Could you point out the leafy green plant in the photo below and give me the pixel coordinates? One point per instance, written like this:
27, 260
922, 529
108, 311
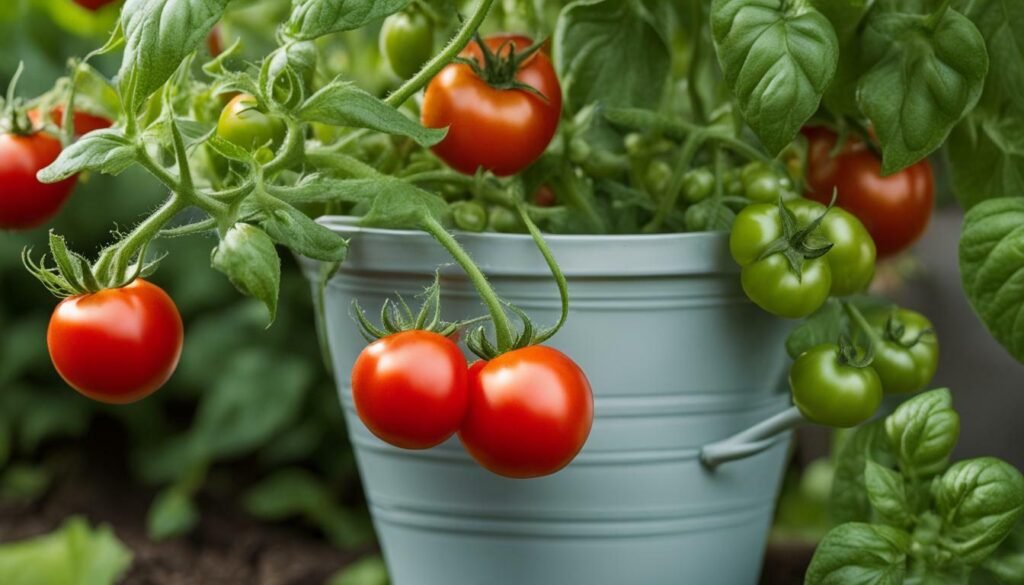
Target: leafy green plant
911, 517
76, 554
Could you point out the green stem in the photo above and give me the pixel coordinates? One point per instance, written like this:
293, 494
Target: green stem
142, 235
696, 104
936, 17
556, 271
668, 203
582, 201
487, 191
292, 151
341, 163
442, 59
502, 325
742, 148
862, 323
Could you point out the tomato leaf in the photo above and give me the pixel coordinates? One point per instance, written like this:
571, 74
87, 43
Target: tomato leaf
613, 52
991, 262
314, 18
103, 151
75, 553
396, 203
980, 501
922, 433
986, 152
823, 326
292, 228
778, 57
159, 36
247, 256
343, 104
920, 79
257, 396
860, 553
172, 514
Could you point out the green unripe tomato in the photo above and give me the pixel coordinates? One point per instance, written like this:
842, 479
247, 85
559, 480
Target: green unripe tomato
242, 124
830, 392
907, 355
407, 42
773, 286
634, 143
469, 216
761, 183
698, 184
506, 221
659, 174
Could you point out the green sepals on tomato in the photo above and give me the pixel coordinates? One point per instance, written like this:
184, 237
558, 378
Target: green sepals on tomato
530, 412
116, 345
501, 105
407, 41
469, 216
795, 254
244, 124
906, 350
895, 209
832, 385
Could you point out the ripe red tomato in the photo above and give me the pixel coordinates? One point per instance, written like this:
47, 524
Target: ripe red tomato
895, 209
213, 41
26, 203
94, 4
410, 388
530, 412
84, 121
118, 345
501, 130
544, 197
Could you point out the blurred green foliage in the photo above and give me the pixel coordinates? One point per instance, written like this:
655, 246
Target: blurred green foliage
250, 414
75, 554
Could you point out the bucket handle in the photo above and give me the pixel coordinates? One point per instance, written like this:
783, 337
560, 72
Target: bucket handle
749, 442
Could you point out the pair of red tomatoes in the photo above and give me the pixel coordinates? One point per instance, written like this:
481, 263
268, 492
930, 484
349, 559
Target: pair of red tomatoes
526, 413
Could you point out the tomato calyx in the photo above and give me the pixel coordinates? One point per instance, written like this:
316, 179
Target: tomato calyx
73, 275
398, 316
500, 68
895, 331
849, 354
798, 243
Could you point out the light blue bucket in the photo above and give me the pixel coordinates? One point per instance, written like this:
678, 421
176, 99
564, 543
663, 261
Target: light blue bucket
678, 358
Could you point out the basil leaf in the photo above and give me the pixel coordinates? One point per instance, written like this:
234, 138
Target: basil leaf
1001, 23
980, 501
923, 431
888, 495
920, 80
343, 104
248, 257
860, 553
986, 152
613, 52
846, 18
104, 151
258, 395
849, 500
778, 57
292, 228
159, 35
991, 262
314, 18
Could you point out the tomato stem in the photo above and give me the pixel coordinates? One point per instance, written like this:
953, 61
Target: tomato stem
495, 306
556, 271
862, 323
442, 59
668, 202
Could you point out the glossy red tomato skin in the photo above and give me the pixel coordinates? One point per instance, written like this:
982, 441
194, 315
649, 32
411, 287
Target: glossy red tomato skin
94, 4
501, 130
25, 203
896, 209
410, 389
84, 121
118, 345
530, 412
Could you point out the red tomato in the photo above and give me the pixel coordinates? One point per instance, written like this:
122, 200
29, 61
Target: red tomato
410, 388
213, 42
895, 209
501, 130
94, 4
26, 203
530, 412
84, 121
118, 345
544, 197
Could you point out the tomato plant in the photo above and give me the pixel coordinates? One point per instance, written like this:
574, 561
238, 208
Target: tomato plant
896, 209
25, 202
84, 121
242, 123
116, 345
501, 106
94, 4
906, 350
410, 388
407, 41
530, 412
